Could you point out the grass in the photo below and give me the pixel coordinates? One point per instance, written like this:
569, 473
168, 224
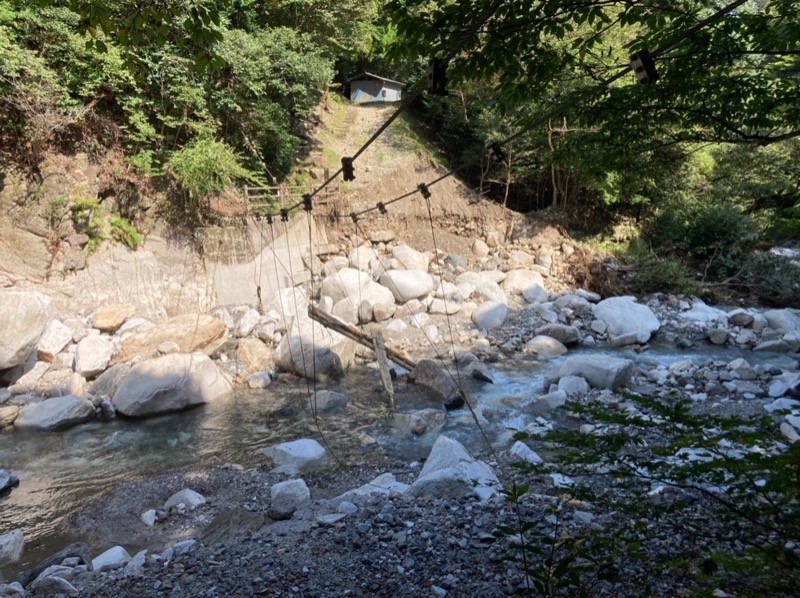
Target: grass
406, 127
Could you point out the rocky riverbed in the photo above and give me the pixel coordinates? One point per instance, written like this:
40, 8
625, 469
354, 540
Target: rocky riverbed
285, 529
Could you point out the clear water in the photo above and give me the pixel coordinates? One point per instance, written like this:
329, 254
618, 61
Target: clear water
62, 472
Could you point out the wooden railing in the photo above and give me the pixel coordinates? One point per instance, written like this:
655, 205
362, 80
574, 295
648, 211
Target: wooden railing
284, 195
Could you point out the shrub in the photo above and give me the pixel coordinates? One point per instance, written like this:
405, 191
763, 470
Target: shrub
773, 278
124, 232
719, 238
201, 169
716, 238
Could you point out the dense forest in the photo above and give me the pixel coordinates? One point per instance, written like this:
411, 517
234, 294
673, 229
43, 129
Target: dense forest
198, 96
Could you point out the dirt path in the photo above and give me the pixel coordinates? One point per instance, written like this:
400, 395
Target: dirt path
392, 166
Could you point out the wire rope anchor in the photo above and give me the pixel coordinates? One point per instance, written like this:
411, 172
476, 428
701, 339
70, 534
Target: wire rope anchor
354, 217
307, 202
644, 67
423, 189
348, 172
284, 214
496, 152
437, 77
382, 208
269, 218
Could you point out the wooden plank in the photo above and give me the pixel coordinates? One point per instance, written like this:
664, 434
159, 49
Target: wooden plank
356, 335
383, 368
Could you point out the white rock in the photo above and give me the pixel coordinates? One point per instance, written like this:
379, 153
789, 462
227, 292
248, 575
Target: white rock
385, 484
410, 258
573, 386
561, 332
300, 453
544, 346
288, 305
782, 404
789, 432
451, 471
484, 287
517, 282
184, 546
535, 294
113, 558
259, 380
170, 383
520, 450
598, 370
313, 351
52, 585
396, 326
623, 316
785, 321
489, 315
245, 320
360, 256
576, 303
335, 264
11, 545
293, 491
188, 497
443, 306
149, 517
479, 248
346, 311
407, 284
23, 318
55, 414
135, 566
54, 338
700, 313
553, 400
93, 354
328, 400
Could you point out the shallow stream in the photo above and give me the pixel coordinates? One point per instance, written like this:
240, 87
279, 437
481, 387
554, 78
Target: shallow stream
65, 471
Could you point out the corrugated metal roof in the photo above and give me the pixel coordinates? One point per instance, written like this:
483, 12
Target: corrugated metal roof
365, 73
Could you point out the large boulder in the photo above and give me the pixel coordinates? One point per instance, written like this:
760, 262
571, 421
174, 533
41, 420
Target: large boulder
489, 315
451, 472
568, 335
484, 287
92, 355
624, 317
544, 346
298, 453
191, 332
430, 374
55, 414
113, 558
253, 354
54, 339
785, 321
23, 317
703, 315
407, 284
346, 282
599, 370
108, 318
410, 258
313, 351
287, 305
170, 383
11, 545
519, 281
361, 256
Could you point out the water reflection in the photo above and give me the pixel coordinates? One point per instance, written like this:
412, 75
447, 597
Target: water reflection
61, 472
